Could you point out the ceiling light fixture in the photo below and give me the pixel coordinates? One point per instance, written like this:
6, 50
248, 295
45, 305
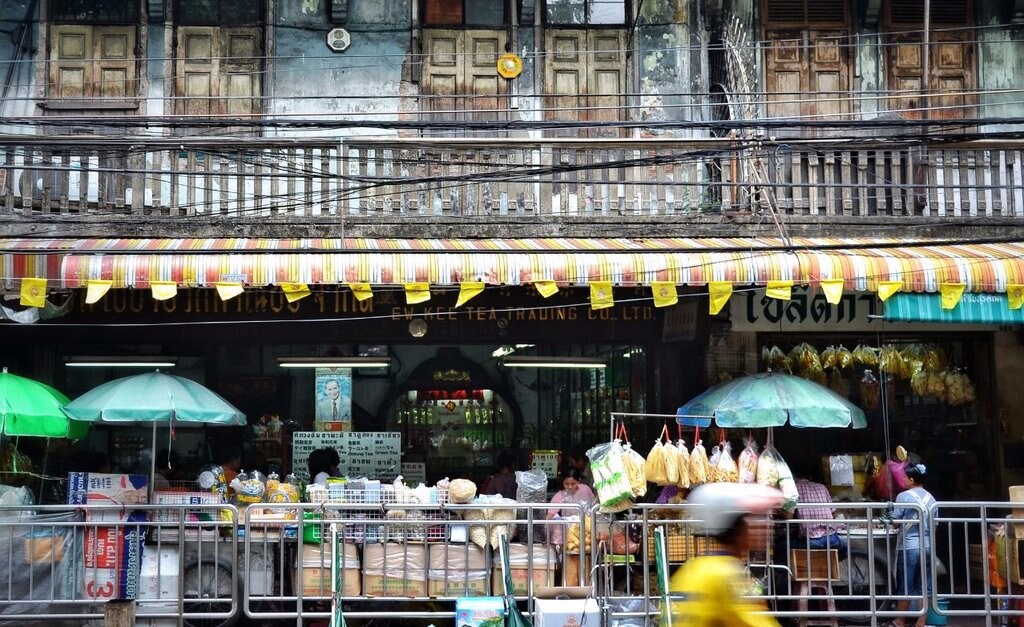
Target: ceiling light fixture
529, 361
120, 361
334, 362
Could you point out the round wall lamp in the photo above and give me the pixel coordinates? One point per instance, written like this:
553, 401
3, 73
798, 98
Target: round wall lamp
418, 328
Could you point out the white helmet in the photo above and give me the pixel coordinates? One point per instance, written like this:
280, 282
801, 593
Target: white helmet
718, 505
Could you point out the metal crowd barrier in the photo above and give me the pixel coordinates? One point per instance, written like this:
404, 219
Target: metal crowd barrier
65, 562
190, 563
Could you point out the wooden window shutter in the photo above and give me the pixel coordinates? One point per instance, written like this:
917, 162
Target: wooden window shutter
805, 11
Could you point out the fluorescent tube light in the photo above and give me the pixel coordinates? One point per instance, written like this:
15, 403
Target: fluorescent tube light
529, 361
334, 362
120, 361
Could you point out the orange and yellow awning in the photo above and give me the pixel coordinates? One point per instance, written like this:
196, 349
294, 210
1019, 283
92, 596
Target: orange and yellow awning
863, 264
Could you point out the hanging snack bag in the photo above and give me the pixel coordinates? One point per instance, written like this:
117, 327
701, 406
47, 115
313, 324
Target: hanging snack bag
787, 483
634, 465
698, 464
728, 472
865, 356
837, 383
828, 357
683, 460
748, 462
671, 463
655, 469
870, 391
844, 358
610, 481
716, 454
768, 467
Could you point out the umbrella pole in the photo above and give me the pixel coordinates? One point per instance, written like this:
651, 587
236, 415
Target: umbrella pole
42, 471
152, 466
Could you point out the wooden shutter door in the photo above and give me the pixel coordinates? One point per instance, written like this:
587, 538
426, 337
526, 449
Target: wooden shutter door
240, 71
481, 72
952, 75
565, 76
786, 73
198, 66
807, 74
71, 49
606, 80
115, 61
442, 71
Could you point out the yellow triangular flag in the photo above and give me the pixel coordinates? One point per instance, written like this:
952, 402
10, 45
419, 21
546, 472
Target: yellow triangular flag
664, 292
1015, 295
950, 294
361, 291
718, 295
467, 290
295, 291
417, 293
163, 290
33, 292
833, 289
888, 288
601, 296
779, 290
95, 291
547, 289
227, 291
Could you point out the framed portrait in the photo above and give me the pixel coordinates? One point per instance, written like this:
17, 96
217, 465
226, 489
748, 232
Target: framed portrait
333, 399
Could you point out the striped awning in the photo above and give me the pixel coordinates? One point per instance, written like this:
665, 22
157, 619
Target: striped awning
863, 263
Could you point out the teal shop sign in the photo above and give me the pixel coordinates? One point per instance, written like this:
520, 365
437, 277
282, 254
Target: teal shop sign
972, 308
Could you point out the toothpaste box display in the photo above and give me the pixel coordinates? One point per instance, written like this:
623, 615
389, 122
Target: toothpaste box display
480, 612
112, 558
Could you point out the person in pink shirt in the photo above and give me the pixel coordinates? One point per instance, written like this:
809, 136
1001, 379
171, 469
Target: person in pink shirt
573, 491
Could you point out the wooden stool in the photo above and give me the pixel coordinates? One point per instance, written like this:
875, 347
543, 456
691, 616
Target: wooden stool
814, 570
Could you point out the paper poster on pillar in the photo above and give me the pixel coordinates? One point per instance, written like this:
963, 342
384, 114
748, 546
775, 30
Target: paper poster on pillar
333, 399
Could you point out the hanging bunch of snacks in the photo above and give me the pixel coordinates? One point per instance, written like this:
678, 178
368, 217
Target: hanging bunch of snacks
913, 357
890, 361
655, 470
865, 356
683, 461
775, 359
844, 358
699, 466
727, 470
614, 492
935, 359
828, 357
716, 453
870, 391
959, 389
634, 464
748, 462
671, 461
774, 472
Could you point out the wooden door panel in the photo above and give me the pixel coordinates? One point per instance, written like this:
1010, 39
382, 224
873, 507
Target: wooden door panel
115, 61
951, 81
70, 70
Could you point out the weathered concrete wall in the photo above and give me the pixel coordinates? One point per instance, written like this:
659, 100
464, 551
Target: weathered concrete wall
16, 99
666, 49
365, 81
1000, 66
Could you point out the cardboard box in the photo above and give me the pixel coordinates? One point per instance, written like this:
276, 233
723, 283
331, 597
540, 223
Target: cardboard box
316, 572
91, 488
571, 570
457, 571
112, 558
566, 612
543, 561
395, 570
480, 612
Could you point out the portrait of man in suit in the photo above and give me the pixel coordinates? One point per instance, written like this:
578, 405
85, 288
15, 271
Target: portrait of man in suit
334, 396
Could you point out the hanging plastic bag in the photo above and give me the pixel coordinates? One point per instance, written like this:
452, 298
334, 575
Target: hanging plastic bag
698, 465
684, 464
716, 453
865, 356
787, 484
870, 391
728, 472
828, 357
634, 464
748, 462
610, 480
844, 358
768, 467
671, 462
654, 466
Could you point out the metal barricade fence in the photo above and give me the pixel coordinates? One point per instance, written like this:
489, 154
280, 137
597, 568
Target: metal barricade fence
379, 559
65, 562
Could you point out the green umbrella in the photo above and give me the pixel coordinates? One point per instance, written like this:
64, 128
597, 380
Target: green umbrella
661, 565
771, 400
154, 398
31, 408
513, 617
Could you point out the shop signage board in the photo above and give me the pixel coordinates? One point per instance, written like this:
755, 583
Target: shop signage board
808, 311
414, 473
371, 454
972, 308
546, 460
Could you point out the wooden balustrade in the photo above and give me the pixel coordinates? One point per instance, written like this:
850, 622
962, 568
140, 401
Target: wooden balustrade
435, 177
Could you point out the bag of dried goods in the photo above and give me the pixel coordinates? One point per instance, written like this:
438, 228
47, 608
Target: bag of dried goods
837, 383
865, 356
828, 357
935, 359
787, 483
634, 464
461, 491
610, 480
768, 467
816, 374
654, 466
804, 357
671, 463
777, 360
936, 385
698, 464
919, 382
716, 454
870, 391
844, 358
728, 472
748, 462
684, 464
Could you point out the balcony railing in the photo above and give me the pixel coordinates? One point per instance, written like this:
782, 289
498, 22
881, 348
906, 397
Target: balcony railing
364, 178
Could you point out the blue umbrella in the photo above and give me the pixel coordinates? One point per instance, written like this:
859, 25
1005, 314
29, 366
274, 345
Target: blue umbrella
771, 400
